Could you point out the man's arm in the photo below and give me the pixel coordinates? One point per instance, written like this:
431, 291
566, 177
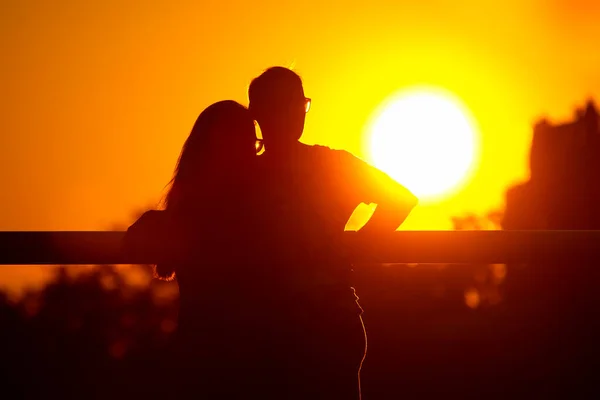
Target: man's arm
394, 204
370, 185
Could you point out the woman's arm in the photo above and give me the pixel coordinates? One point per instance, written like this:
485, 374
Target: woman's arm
145, 234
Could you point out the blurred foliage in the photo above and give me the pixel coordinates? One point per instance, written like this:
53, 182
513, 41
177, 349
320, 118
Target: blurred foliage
93, 332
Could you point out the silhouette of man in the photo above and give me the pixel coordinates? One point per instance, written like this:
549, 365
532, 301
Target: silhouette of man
311, 192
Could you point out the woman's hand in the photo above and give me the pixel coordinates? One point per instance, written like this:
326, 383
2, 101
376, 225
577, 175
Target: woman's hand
146, 234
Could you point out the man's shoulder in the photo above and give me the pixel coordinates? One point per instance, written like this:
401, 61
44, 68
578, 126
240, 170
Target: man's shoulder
330, 153
342, 160
315, 156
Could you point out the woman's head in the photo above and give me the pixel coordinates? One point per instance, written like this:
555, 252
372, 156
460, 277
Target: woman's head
222, 143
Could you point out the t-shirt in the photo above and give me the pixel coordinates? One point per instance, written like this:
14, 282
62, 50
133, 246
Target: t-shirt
310, 195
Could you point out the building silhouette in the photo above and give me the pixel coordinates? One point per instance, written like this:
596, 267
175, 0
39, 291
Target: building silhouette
562, 192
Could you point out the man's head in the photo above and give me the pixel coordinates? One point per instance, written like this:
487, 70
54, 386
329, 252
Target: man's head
278, 104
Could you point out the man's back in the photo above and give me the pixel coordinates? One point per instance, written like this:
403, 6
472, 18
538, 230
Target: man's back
327, 185
311, 193
303, 190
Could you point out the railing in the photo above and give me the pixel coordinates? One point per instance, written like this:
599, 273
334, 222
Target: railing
488, 247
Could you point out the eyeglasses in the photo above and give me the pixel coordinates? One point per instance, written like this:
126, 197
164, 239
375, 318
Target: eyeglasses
307, 102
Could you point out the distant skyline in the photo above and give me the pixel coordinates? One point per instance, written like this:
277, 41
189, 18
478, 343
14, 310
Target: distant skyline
98, 97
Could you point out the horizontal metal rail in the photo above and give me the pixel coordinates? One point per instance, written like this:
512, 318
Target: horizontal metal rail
488, 247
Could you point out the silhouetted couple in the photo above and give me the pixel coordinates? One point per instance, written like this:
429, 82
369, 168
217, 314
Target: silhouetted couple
255, 242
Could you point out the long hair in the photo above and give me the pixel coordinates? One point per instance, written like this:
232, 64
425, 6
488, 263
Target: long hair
225, 121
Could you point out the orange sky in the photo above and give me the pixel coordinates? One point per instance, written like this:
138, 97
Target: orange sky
98, 96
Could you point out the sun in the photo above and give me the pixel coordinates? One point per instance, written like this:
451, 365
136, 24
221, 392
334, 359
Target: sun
424, 138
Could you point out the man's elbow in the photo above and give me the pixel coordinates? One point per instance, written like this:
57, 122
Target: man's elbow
399, 209
412, 201
403, 210
404, 207
406, 203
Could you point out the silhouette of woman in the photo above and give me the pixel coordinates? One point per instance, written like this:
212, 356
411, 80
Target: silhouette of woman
207, 223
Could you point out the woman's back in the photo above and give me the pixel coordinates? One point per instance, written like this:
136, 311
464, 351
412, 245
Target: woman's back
222, 269
205, 229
